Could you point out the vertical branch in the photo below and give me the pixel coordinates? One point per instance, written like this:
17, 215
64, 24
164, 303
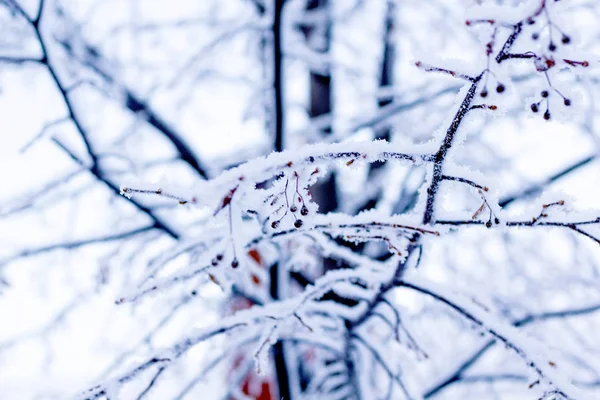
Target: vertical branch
319, 39
278, 76
279, 355
442, 153
276, 289
386, 77
264, 57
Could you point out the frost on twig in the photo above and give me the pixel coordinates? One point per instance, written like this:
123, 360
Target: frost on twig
327, 280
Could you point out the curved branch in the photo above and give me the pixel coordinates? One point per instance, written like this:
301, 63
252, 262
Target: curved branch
76, 244
536, 189
458, 374
395, 377
531, 352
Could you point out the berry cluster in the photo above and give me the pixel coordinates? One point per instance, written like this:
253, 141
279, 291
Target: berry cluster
216, 261
565, 39
545, 95
297, 200
500, 88
542, 62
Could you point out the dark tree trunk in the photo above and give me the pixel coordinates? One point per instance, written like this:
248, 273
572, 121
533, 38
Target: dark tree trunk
279, 356
278, 76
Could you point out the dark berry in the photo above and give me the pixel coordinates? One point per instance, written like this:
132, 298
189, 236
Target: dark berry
219, 257
214, 262
566, 40
274, 224
311, 159
500, 88
235, 263
545, 93
547, 115
298, 223
535, 108
484, 93
530, 21
535, 36
304, 210
488, 224
567, 102
552, 46
496, 221
293, 208
194, 293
